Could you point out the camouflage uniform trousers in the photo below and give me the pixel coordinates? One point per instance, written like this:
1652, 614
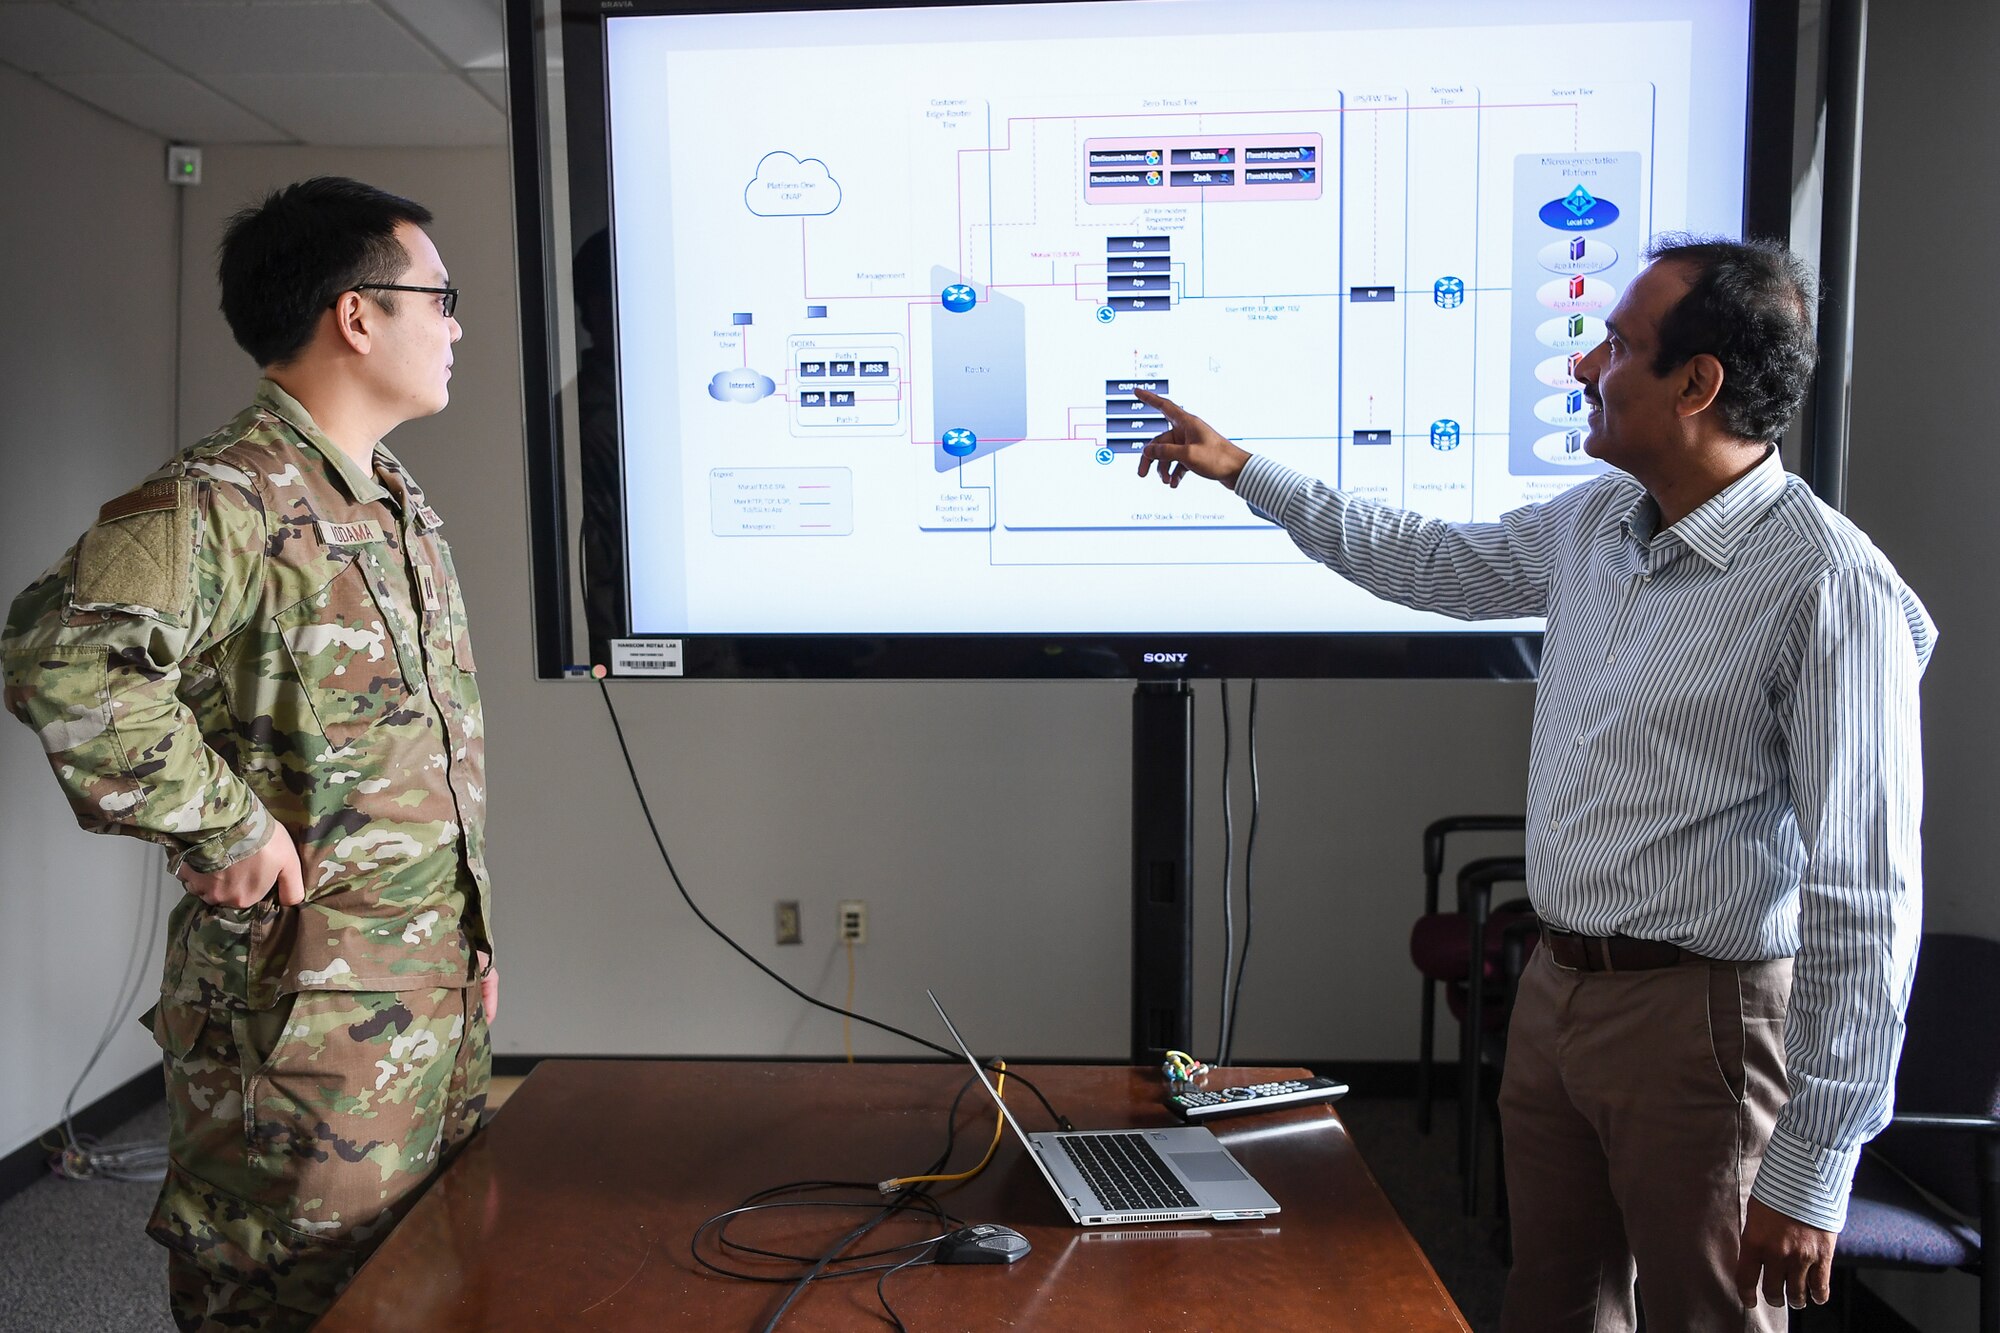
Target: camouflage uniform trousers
299, 1136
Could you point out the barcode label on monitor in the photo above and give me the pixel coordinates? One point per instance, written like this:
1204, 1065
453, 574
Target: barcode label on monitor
645, 657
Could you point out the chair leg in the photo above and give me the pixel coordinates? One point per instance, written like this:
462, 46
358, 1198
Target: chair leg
1468, 1115
1426, 1052
1467, 1081
1989, 1234
1472, 1073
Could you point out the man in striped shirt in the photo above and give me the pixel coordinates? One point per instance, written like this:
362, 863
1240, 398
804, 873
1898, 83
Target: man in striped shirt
1724, 794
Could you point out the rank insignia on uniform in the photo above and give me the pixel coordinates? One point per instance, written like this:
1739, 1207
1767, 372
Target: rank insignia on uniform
358, 533
430, 589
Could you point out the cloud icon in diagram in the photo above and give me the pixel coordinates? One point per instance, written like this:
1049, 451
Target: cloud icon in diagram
790, 187
739, 386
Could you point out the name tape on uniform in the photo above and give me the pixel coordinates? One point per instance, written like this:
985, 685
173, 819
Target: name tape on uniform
645, 657
359, 533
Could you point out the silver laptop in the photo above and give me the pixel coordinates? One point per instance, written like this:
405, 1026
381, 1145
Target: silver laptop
1134, 1175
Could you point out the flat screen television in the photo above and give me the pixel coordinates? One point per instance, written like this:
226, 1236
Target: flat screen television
837, 310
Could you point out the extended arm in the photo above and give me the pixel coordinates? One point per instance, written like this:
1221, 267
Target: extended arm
1472, 571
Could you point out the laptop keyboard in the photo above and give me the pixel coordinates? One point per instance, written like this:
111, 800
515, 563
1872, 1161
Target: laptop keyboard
1125, 1171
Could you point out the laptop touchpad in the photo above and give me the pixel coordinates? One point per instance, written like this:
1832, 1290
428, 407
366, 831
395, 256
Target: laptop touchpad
1206, 1167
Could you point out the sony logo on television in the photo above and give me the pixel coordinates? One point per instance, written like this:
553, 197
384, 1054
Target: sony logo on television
1165, 659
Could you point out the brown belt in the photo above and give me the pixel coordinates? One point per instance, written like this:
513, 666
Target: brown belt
1613, 953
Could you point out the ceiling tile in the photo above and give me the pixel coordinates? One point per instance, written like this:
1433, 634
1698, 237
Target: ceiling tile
252, 36
49, 39
493, 83
375, 110
468, 32
169, 105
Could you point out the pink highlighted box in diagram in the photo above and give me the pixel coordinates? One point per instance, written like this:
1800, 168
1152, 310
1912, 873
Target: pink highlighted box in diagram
1169, 168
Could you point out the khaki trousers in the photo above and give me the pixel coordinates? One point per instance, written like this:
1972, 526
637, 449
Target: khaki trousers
1635, 1108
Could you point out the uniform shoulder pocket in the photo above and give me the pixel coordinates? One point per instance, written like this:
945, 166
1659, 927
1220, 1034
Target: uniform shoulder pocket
136, 558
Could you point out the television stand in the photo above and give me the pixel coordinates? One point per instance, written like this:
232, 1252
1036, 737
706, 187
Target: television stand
1162, 869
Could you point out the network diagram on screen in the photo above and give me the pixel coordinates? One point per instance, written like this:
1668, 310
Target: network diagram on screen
884, 305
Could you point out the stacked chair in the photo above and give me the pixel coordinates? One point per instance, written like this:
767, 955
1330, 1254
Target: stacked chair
1444, 945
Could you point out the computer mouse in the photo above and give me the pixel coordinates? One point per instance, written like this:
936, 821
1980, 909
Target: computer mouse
986, 1243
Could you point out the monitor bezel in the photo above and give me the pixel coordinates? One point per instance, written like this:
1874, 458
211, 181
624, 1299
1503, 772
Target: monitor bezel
1771, 79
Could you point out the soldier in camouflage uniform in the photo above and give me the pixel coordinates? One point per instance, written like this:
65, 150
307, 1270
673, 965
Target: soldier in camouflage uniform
258, 659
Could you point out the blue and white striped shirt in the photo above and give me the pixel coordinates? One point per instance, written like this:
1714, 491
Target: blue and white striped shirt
1726, 753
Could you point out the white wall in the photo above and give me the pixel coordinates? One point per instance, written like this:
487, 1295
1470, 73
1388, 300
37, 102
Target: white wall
87, 268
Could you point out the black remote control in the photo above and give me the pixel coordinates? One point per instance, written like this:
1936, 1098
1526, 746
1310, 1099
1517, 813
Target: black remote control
1198, 1104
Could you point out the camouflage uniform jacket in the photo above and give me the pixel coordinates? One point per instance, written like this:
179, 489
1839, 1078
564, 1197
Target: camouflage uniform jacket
263, 631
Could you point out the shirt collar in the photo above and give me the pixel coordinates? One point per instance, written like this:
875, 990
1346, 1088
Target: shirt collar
1718, 528
361, 485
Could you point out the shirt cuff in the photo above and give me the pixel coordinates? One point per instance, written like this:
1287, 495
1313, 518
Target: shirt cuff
226, 848
1265, 485
1806, 1181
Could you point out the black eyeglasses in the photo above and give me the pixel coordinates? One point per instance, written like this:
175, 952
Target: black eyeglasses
448, 295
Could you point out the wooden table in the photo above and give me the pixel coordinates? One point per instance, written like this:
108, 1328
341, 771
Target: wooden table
574, 1209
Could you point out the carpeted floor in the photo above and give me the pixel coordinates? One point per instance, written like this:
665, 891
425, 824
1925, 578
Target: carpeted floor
74, 1254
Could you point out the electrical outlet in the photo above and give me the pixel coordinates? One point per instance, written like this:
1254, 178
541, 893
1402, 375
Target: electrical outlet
789, 929
853, 921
